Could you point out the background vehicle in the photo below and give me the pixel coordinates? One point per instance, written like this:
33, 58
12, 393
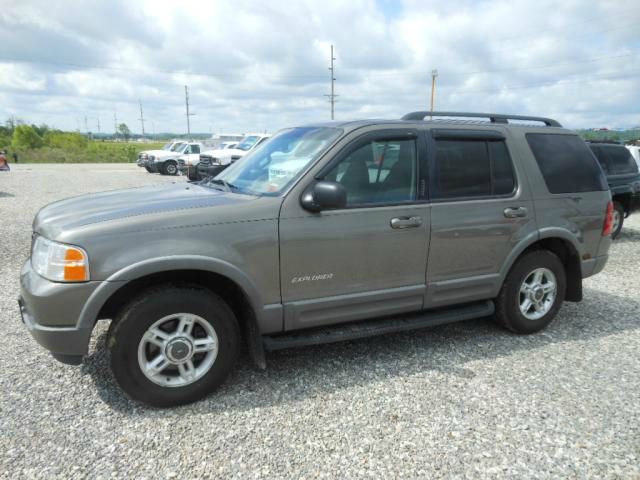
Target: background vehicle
635, 153
146, 158
188, 164
213, 162
167, 163
396, 225
219, 138
623, 179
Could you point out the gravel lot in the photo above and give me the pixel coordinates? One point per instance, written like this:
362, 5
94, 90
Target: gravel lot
465, 400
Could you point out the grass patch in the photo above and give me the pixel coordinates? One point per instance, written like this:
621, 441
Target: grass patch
94, 152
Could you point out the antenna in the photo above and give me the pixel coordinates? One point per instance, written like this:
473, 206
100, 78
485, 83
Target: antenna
332, 96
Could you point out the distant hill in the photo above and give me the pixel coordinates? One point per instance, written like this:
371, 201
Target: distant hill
624, 136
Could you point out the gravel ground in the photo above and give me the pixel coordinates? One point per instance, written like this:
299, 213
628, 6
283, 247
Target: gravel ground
465, 400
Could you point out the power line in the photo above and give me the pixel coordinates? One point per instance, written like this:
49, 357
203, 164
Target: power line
631, 74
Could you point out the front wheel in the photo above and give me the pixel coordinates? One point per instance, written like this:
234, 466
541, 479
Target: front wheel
173, 345
170, 168
532, 293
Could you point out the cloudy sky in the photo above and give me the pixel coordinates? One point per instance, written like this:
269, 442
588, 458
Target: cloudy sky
262, 65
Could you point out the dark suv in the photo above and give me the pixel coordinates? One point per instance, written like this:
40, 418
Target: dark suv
623, 179
327, 232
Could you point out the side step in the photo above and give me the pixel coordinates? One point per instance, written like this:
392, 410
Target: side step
370, 328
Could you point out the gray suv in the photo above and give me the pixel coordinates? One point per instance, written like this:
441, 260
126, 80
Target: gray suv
326, 232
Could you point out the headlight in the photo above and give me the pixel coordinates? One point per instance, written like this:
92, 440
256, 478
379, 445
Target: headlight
59, 262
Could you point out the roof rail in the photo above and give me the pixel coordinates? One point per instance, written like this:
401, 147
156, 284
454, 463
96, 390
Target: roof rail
493, 117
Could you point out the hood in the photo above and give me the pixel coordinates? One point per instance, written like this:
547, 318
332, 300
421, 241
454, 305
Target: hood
214, 153
95, 208
155, 152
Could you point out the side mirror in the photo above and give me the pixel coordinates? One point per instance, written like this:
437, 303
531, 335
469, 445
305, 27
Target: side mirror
324, 196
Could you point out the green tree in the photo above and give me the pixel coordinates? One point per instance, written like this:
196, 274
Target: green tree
124, 131
65, 140
25, 136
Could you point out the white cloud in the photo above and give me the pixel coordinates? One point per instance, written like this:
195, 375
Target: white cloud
253, 65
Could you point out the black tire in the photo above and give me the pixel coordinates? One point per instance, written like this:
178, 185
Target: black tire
192, 174
618, 210
148, 169
508, 312
170, 168
129, 326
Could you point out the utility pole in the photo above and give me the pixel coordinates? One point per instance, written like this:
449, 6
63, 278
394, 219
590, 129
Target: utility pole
434, 74
98, 124
86, 126
186, 101
115, 125
141, 118
332, 96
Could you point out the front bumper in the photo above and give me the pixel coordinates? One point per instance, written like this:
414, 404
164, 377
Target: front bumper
51, 312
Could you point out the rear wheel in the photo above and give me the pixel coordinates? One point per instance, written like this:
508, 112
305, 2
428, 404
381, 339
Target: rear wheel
173, 345
192, 174
618, 219
532, 293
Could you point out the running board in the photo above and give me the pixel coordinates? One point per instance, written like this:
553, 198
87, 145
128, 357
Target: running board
370, 328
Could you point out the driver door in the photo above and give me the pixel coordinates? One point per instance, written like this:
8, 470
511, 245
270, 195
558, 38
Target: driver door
368, 259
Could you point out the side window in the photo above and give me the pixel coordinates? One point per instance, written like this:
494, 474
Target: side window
471, 168
566, 163
195, 148
379, 172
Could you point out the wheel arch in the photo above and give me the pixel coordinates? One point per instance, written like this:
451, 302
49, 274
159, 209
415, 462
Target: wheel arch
560, 243
219, 277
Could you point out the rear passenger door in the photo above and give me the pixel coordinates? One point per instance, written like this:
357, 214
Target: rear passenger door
481, 208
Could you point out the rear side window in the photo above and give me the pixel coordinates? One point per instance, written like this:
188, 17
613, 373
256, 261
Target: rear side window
566, 162
471, 168
615, 160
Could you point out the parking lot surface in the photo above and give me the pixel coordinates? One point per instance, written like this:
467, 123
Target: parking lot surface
464, 400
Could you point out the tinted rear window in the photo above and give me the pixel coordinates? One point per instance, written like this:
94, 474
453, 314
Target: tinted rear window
471, 168
566, 162
615, 160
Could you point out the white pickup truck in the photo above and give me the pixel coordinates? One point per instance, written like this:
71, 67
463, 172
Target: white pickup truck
212, 162
164, 161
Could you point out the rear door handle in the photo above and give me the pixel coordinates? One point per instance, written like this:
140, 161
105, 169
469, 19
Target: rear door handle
406, 222
515, 212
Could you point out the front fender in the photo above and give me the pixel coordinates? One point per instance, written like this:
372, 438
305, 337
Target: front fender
99, 297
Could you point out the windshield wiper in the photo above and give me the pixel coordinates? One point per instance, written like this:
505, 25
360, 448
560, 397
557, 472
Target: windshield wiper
228, 186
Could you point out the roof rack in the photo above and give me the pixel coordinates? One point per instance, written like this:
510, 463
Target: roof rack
493, 117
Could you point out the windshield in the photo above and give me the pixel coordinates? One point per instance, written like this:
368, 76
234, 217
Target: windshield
178, 147
271, 167
247, 142
168, 146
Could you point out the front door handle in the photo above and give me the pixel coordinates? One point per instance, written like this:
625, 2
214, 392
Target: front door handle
406, 222
515, 212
